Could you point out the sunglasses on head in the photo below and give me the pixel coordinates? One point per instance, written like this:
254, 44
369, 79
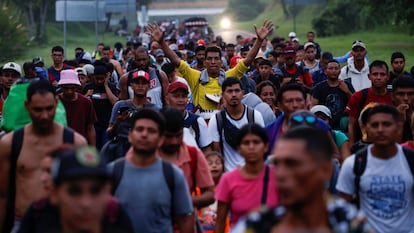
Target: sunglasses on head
299, 119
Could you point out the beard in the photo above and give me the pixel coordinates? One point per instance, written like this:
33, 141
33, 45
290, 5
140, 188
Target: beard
144, 153
171, 149
136, 65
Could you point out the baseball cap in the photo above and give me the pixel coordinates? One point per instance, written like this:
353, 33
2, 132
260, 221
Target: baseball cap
13, 66
69, 77
289, 51
308, 44
321, 108
292, 34
295, 39
173, 47
177, 85
259, 56
304, 117
80, 162
190, 53
86, 58
38, 60
245, 48
81, 70
159, 52
90, 69
140, 74
201, 42
234, 60
358, 43
247, 40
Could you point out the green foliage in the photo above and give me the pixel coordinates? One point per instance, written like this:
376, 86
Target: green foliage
12, 34
341, 17
244, 10
381, 41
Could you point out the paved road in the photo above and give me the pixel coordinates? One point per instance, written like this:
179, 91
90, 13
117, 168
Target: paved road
229, 35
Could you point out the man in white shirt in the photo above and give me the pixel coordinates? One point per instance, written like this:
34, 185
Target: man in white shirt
380, 177
235, 114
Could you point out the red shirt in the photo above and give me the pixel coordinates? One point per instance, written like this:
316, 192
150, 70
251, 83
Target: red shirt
79, 113
354, 106
305, 76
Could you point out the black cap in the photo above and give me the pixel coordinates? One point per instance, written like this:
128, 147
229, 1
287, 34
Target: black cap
245, 48
81, 162
38, 60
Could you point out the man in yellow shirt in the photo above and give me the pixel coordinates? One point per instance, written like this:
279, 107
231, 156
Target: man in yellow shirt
206, 85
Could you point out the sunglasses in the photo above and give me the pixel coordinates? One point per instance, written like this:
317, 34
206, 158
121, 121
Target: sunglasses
299, 119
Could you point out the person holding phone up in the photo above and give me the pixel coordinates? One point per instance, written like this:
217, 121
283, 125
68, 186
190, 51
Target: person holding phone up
122, 112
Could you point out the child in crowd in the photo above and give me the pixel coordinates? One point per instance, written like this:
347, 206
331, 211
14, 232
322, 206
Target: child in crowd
208, 215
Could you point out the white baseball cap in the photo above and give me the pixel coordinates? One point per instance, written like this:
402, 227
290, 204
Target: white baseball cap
13, 66
321, 108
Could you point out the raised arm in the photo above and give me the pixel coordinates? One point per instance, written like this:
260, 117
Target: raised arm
158, 35
261, 34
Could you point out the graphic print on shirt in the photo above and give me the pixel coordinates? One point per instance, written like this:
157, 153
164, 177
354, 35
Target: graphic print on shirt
387, 196
335, 104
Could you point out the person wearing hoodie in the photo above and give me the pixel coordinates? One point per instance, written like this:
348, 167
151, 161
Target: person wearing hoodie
357, 70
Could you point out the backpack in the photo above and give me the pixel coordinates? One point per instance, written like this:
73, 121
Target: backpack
191, 121
17, 143
230, 131
167, 170
299, 70
361, 163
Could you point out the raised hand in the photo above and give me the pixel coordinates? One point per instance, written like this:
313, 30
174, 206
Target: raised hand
264, 30
156, 33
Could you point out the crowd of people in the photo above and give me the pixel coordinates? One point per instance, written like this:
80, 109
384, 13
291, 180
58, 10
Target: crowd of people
261, 135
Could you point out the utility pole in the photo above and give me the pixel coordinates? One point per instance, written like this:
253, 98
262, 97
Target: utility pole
294, 15
64, 25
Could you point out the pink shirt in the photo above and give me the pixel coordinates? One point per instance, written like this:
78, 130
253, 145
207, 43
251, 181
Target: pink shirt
245, 195
407, 145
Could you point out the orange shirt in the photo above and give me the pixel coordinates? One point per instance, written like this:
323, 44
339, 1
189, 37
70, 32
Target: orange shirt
207, 216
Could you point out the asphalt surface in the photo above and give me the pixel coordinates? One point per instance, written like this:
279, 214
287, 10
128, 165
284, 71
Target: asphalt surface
229, 35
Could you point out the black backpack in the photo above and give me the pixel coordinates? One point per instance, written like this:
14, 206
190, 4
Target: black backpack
17, 143
191, 121
167, 170
118, 171
230, 131
361, 163
299, 70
